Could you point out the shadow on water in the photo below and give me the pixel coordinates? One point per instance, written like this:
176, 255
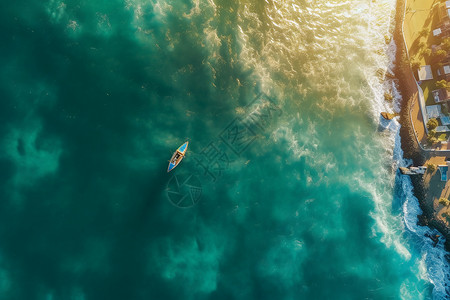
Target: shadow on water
154, 185
382, 124
143, 226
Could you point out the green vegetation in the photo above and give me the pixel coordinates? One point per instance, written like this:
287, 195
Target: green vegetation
442, 84
441, 52
446, 44
432, 132
419, 36
431, 138
415, 64
439, 55
423, 32
426, 53
444, 201
432, 124
431, 168
421, 45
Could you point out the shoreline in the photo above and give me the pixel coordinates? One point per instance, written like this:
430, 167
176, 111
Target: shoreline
411, 149
407, 88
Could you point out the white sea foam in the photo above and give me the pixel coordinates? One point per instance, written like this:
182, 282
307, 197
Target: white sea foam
56, 10
290, 49
432, 265
191, 261
325, 48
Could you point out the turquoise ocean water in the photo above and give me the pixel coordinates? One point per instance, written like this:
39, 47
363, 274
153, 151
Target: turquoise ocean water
289, 189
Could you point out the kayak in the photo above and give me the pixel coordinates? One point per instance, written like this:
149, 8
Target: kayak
177, 157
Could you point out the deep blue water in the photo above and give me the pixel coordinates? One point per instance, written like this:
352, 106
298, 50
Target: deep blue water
286, 191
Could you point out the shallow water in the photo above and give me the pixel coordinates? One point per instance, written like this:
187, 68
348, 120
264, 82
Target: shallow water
289, 189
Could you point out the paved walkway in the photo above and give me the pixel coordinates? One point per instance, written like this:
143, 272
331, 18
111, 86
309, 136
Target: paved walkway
417, 118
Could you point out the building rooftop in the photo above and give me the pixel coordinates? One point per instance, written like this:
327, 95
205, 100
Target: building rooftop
446, 69
433, 111
425, 73
440, 95
442, 129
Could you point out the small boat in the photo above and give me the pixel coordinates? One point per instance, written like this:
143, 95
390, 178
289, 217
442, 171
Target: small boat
177, 157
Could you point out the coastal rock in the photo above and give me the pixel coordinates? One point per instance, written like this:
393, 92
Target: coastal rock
434, 238
388, 116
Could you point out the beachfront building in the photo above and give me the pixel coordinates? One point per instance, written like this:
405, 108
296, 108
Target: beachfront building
443, 12
425, 73
437, 55
443, 30
437, 32
441, 64
429, 53
444, 72
435, 112
441, 95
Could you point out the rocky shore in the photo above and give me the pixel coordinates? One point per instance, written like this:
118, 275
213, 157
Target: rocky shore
410, 147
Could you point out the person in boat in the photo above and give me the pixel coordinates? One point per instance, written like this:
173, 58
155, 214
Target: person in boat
176, 157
